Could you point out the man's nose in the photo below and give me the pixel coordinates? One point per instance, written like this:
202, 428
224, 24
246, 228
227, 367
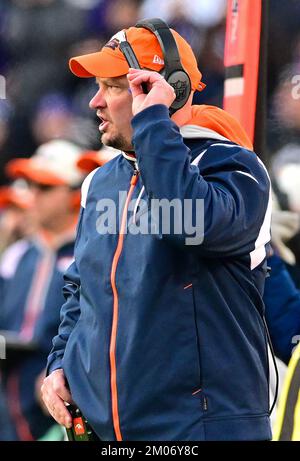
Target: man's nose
97, 101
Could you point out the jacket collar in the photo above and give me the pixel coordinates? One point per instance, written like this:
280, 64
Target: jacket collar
131, 158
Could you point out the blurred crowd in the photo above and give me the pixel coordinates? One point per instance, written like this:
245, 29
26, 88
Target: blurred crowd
49, 141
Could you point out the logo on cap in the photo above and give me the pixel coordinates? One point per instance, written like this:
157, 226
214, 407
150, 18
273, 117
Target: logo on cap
115, 40
157, 60
113, 44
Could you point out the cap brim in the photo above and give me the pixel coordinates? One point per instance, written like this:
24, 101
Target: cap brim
25, 168
93, 159
4, 198
89, 162
9, 197
101, 64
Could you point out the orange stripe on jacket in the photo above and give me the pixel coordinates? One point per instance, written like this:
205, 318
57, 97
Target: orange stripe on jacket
113, 341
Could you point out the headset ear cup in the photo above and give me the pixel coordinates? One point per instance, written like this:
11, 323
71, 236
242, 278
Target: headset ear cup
181, 83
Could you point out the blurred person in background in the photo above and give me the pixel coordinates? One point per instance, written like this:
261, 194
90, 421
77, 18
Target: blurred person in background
281, 294
282, 310
282, 305
15, 224
32, 270
284, 119
285, 171
283, 47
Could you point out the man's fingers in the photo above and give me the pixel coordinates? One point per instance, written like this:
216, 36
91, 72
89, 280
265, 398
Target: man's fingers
158, 89
54, 394
56, 406
136, 90
137, 77
58, 410
141, 76
132, 70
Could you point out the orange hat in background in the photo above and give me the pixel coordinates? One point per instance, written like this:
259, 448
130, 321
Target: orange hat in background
92, 159
110, 61
54, 163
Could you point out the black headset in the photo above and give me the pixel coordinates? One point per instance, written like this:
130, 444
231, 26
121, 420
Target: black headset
173, 71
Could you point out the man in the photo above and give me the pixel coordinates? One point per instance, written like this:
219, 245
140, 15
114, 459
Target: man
32, 279
161, 335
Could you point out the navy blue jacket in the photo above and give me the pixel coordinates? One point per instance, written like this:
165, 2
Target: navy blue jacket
161, 340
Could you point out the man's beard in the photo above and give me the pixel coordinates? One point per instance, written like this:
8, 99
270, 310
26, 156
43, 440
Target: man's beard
119, 142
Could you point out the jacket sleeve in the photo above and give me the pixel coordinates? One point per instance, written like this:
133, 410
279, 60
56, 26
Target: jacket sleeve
227, 192
282, 302
69, 313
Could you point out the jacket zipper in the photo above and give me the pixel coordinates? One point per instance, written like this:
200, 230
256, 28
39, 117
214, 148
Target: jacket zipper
113, 340
205, 406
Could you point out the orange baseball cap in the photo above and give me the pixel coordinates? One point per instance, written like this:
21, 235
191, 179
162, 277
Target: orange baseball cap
110, 61
92, 159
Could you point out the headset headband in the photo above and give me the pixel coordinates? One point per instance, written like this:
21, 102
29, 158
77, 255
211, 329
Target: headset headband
167, 42
173, 71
